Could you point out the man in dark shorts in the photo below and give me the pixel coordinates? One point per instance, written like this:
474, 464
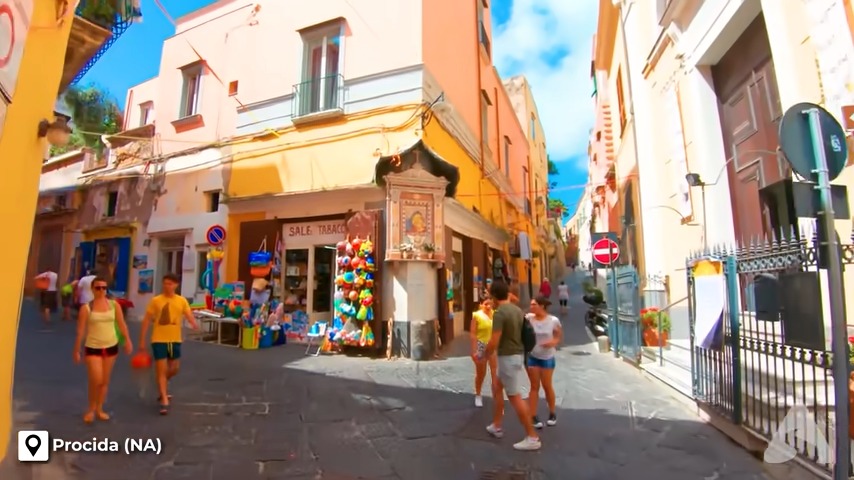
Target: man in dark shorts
507, 322
48, 296
166, 313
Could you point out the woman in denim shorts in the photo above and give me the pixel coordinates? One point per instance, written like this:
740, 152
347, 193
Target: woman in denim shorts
541, 360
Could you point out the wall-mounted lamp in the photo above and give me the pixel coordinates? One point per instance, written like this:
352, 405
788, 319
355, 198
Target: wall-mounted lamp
57, 132
438, 104
694, 180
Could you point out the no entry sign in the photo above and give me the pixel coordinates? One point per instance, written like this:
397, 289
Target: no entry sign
605, 251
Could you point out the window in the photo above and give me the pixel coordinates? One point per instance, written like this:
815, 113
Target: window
484, 117
621, 101
61, 201
533, 131
232, 88
212, 199
321, 82
525, 192
507, 156
145, 111
482, 34
112, 203
190, 94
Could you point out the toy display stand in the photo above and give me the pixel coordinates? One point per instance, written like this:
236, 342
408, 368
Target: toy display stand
354, 297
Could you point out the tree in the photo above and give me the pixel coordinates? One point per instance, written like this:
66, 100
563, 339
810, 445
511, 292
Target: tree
94, 112
555, 204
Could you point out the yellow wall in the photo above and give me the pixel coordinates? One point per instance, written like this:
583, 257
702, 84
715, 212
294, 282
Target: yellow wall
326, 156
35, 96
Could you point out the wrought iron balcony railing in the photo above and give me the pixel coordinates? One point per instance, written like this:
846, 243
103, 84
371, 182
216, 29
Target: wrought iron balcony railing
114, 16
318, 95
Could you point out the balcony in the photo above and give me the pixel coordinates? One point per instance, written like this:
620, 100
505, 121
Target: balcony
318, 99
97, 24
132, 147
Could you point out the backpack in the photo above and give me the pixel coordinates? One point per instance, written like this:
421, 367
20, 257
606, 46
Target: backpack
529, 337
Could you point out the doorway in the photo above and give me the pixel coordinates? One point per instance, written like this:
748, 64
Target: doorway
171, 259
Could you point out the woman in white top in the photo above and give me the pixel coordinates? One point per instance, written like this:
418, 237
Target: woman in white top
48, 294
84, 289
541, 360
563, 296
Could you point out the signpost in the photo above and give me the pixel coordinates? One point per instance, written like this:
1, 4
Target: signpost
215, 235
814, 144
606, 252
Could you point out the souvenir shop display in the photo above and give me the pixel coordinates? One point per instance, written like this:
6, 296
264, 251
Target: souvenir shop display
354, 298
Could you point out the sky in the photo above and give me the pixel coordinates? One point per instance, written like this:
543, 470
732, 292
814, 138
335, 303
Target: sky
548, 41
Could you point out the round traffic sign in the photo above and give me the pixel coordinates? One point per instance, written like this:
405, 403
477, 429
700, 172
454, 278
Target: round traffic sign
215, 235
796, 141
606, 251
6, 16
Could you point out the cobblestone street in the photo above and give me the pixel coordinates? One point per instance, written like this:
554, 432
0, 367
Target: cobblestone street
278, 414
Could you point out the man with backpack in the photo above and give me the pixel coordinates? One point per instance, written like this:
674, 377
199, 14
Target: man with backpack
512, 337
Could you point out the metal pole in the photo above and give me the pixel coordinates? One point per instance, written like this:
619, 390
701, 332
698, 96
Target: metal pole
837, 303
705, 219
615, 291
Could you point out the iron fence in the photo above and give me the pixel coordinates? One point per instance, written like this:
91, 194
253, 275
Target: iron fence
769, 355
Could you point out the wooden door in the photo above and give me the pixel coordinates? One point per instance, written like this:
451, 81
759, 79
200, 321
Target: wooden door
750, 114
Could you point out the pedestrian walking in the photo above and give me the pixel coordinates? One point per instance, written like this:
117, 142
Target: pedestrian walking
99, 323
506, 341
67, 295
48, 295
541, 360
546, 288
84, 289
165, 314
481, 331
514, 291
563, 296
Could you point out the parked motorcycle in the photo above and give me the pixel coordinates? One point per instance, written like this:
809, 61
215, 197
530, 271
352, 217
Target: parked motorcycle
596, 317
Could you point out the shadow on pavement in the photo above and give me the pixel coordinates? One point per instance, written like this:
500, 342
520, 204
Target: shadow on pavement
276, 413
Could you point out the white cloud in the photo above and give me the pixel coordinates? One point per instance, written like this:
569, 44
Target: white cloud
536, 30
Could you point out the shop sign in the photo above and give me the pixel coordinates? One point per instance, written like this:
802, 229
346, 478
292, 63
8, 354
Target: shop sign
315, 233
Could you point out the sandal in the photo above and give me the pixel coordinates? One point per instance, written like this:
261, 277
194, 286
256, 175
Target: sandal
89, 418
159, 398
164, 409
103, 416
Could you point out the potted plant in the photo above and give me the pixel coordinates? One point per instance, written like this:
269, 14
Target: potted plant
429, 250
650, 318
407, 250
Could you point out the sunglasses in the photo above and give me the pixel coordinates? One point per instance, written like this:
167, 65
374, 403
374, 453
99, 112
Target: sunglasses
99, 288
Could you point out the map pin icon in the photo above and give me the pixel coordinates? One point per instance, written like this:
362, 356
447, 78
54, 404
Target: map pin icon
33, 443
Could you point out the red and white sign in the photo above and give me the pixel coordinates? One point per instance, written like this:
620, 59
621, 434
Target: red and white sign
606, 251
14, 23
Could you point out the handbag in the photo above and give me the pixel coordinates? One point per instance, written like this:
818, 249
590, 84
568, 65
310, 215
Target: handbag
260, 261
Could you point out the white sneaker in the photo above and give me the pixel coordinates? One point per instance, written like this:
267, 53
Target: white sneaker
528, 444
496, 432
478, 401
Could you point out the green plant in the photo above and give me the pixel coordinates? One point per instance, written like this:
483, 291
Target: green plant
406, 247
428, 247
93, 111
650, 317
101, 12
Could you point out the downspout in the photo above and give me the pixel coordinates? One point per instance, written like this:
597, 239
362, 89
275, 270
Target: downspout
627, 61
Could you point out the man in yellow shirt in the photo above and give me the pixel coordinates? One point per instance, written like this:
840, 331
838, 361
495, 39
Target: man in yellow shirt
166, 311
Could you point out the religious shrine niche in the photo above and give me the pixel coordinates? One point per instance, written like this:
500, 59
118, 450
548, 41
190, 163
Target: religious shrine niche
415, 206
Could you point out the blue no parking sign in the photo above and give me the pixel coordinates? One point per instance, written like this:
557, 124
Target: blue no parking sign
215, 235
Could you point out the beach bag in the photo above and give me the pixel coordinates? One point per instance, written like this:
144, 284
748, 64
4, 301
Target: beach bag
42, 283
529, 337
260, 261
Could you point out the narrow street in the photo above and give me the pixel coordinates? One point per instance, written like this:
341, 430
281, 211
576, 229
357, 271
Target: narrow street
278, 414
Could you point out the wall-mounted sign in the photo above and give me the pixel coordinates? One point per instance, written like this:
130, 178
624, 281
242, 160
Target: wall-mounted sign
328, 232
15, 18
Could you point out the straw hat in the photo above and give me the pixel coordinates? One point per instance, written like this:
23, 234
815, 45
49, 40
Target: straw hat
259, 284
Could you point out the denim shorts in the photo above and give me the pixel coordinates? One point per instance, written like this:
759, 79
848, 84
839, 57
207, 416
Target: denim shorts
166, 351
540, 363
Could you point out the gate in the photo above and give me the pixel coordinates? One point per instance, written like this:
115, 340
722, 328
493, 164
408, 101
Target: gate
623, 298
770, 354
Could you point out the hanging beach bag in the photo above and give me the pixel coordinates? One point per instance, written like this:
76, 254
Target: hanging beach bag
261, 261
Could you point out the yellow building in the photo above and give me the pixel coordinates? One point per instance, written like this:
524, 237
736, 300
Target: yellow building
44, 60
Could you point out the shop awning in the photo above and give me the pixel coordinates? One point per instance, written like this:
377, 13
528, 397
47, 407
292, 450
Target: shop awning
433, 163
466, 222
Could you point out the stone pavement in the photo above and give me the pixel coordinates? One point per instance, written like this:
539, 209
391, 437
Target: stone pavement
278, 414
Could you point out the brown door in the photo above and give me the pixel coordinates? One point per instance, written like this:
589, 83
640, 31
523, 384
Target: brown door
750, 113
50, 249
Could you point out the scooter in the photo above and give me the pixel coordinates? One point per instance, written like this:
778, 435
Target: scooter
596, 317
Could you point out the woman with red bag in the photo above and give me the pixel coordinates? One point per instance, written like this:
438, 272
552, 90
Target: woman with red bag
100, 324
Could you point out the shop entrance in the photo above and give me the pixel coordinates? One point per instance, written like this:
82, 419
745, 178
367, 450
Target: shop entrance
309, 267
171, 259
